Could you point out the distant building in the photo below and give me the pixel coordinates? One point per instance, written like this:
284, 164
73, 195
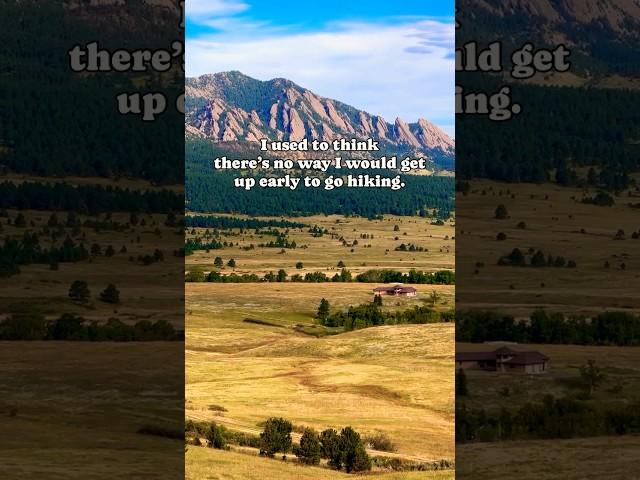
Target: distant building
503, 359
399, 290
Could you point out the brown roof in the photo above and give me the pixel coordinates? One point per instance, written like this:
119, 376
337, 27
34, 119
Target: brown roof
528, 358
400, 288
519, 358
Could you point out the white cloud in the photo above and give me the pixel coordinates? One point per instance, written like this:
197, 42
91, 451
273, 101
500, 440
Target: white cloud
402, 69
198, 10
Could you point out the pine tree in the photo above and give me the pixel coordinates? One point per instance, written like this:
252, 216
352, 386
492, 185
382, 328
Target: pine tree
79, 292
110, 294
323, 309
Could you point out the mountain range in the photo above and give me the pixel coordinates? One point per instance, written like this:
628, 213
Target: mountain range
233, 109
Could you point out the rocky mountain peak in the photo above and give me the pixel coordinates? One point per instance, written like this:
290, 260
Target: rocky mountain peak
232, 107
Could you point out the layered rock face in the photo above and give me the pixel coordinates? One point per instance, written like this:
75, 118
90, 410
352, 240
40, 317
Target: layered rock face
231, 107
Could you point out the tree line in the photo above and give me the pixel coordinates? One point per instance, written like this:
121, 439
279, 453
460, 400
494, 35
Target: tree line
608, 328
575, 137
87, 199
443, 277
69, 327
372, 315
551, 419
27, 250
210, 191
224, 223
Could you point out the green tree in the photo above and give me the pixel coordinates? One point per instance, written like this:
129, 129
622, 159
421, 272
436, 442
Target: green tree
310, 449
216, 437
354, 455
231, 263
299, 265
377, 300
282, 276
218, 262
110, 294
330, 443
591, 375
276, 436
501, 212
79, 291
323, 309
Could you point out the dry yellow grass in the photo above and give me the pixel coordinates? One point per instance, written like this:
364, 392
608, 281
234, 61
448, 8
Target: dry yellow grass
323, 253
613, 458
210, 464
554, 223
71, 410
396, 379
151, 292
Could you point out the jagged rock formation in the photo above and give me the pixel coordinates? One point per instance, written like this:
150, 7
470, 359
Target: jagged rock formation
231, 107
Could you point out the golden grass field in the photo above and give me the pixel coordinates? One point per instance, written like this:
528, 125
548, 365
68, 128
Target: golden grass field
152, 292
323, 253
613, 458
393, 379
397, 379
210, 464
72, 410
554, 224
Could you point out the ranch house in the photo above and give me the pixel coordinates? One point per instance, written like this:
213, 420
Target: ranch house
398, 290
503, 360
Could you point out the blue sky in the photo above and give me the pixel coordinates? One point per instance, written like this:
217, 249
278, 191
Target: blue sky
390, 58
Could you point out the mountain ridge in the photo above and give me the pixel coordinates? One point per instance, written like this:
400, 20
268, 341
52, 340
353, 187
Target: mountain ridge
228, 107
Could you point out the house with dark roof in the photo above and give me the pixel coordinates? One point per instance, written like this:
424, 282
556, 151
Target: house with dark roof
400, 290
503, 359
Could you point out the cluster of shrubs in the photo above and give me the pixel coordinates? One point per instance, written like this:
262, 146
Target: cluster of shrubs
608, 328
409, 248
74, 328
281, 241
536, 259
194, 244
601, 199
344, 450
400, 465
551, 419
372, 315
27, 250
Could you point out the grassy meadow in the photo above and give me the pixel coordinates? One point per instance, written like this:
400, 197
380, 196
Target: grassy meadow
210, 464
559, 224
396, 380
321, 254
72, 410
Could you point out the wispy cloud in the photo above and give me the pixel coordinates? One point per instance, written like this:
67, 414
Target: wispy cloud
396, 67
204, 10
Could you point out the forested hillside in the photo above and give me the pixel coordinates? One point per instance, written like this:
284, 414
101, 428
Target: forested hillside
211, 191
560, 128
39, 93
